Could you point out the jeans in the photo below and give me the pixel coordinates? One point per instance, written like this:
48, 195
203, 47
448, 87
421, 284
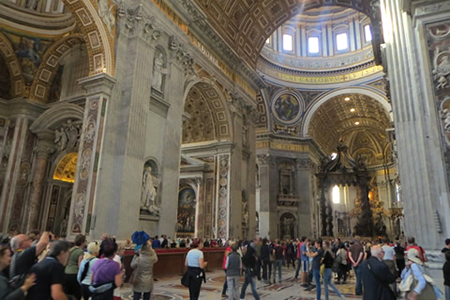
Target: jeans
258, 268
278, 264
233, 287
267, 269
249, 279
327, 282
447, 292
358, 289
299, 265
316, 274
225, 284
137, 296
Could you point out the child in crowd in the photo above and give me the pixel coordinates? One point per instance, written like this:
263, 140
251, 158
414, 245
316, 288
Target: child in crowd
233, 266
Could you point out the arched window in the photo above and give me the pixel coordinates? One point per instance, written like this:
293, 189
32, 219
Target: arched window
336, 194
288, 44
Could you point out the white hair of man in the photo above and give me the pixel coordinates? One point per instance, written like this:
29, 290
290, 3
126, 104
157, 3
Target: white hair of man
376, 251
16, 242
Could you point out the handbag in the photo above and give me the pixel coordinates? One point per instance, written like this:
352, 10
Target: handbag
185, 279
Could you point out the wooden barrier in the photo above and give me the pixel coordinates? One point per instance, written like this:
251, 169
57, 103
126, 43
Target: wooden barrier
171, 261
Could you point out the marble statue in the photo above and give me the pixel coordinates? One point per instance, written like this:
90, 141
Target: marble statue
148, 201
105, 12
158, 72
67, 137
287, 224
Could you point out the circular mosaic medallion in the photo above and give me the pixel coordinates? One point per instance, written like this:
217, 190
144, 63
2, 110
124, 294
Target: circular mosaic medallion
287, 108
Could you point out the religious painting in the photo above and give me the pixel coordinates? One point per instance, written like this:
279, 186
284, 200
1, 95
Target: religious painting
29, 51
286, 108
186, 210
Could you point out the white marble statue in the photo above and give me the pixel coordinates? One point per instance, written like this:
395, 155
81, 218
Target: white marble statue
148, 201
105, 12
158, 72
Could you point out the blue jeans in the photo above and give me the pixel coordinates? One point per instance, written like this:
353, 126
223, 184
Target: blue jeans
447, 292
249, 279
358, 289
316, 274
278, 264
299, 265
327, 282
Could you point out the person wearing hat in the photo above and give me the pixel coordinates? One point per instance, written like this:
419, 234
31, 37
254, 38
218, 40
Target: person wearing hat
376, 277
414, 269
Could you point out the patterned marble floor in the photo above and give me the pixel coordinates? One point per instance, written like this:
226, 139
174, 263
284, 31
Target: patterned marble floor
289, 289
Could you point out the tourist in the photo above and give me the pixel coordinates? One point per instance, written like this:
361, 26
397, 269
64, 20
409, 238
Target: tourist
206, 244
71, 284
412, 245
290, 254
419, 289
25, 256
367, 252
328, 261
164, 242
233, 266
50, 274
447, 246
399, 257
389, 256
316, 254
279, 254
106, 273
156, 244
84, 275
118, 259
7, 292
258, 258
249, 262
376, 277
305, 261
356, 257
342, 256
224, 262
265, 261
446, 270
298, 257
196, 273
142, 264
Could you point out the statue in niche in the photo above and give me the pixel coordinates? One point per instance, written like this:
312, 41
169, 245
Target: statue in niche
159, 71
148, 200
287, 229
244, 209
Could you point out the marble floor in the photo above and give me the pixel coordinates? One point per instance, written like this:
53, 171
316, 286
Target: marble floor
289, 289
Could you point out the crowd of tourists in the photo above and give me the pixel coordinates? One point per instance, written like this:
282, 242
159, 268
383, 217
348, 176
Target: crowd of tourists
38, 266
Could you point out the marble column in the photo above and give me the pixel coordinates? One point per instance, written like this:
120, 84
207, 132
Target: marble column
98, 89
44, 147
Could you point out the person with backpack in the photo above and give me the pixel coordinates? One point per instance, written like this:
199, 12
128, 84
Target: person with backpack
249, 262
279, 255
316, 256
76, 253
328, 260
233, 266
85, 270
142, 278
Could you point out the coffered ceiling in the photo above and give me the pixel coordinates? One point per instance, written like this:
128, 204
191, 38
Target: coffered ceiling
360, 122
246, 24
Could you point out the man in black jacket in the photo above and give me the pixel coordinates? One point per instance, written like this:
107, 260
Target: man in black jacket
376, 277
249, 262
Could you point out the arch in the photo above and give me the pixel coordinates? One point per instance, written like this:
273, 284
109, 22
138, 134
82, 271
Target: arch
43, 80
56, 114
218, 106
66, 167
327, 96
15, 71
100, 43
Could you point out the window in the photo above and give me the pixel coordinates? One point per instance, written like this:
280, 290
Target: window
313, 45
268, 41
341, 41
368, 33
287, 42
336, 194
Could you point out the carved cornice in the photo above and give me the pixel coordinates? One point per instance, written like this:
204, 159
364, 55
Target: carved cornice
44, 146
